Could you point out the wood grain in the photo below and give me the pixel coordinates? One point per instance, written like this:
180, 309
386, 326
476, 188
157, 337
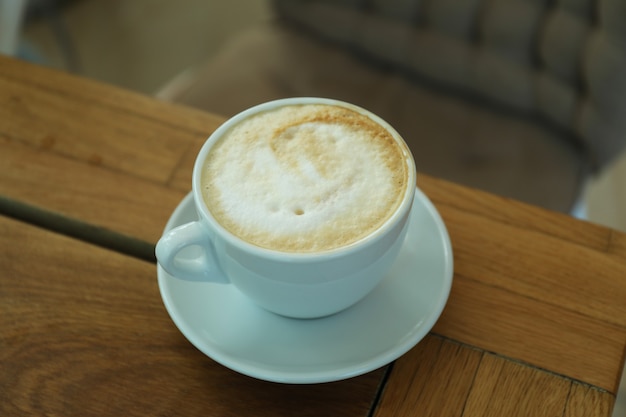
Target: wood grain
443, 378
517, 213
433, 379
94, 153
84, 333
506, 388
181, 177
37, 79
617, 245
537, 298
94, 129
546, 336
91, 194
546, 268
587, 401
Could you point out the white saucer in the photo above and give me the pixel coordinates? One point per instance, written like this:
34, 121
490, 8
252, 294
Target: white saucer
226, 326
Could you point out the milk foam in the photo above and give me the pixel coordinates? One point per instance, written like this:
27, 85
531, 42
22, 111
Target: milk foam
304, 178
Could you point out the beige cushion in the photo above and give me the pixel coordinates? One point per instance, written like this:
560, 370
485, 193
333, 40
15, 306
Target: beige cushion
450, 137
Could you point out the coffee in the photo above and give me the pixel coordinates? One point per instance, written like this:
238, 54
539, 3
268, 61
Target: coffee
305, 178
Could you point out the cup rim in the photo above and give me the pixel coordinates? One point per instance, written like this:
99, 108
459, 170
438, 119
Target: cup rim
206, 215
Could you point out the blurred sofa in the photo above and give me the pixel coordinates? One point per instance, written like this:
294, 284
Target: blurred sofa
520, 98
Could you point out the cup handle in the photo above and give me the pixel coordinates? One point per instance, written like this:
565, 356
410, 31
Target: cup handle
204, 267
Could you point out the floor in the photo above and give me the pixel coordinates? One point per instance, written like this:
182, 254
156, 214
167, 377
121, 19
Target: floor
142, 44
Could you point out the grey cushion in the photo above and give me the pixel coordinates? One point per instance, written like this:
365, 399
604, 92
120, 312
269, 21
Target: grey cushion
450, 137
562, 60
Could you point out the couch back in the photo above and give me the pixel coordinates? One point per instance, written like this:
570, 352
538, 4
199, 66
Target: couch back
561, 60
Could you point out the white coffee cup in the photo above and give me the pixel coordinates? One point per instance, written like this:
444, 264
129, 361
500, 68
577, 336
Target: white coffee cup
299, 283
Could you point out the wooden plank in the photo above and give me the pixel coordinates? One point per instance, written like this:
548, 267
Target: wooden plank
545, 267
505, 388
442, 378
83, 332
90, 194
546, 336
433, 379
181, 177
100, 95
94, 153
617, 246
586, 401
507, 211
77, 120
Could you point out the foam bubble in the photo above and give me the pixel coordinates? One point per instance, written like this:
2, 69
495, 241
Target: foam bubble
304, 178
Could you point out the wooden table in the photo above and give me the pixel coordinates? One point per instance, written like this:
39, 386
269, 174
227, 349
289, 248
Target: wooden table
89, 174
